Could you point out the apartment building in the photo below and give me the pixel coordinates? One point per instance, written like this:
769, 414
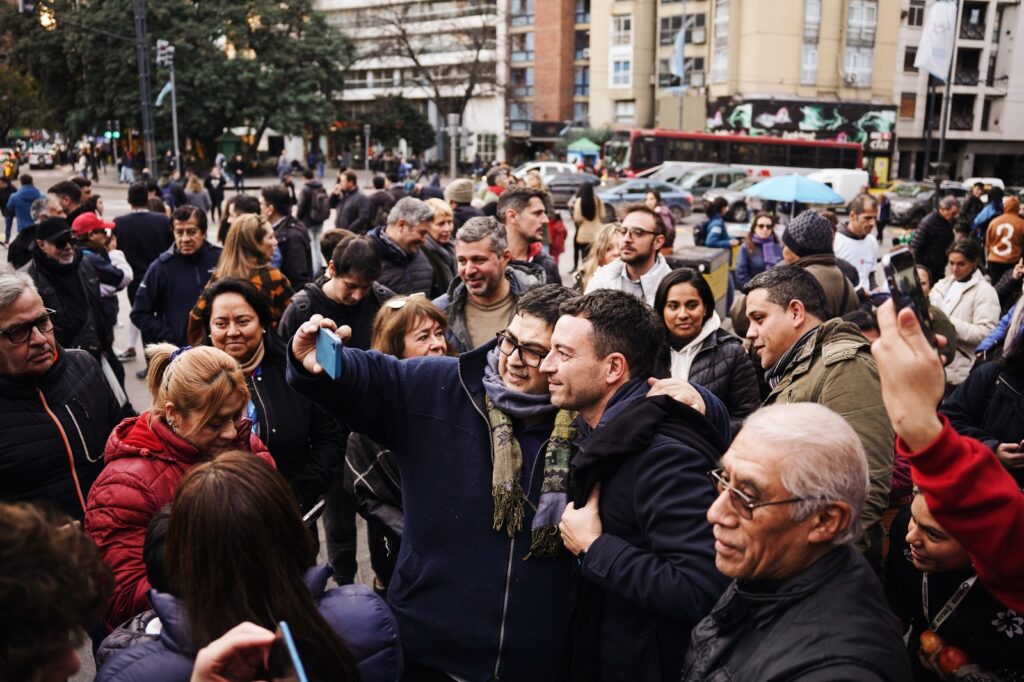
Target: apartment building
985, 119
623, 45
680, 101
449, 39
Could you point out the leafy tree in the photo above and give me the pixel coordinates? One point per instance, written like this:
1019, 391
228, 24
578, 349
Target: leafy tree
255, 63
20, 103
395, 118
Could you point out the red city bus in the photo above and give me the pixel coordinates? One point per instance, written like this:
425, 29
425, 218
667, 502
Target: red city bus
631, 151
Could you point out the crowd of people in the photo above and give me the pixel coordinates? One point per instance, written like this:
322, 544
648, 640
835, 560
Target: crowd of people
623, 479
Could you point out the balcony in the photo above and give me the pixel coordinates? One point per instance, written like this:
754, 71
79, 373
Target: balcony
961, 120
516, 125
522, 56
581, 90
522, 90
972, 32
966, 77
521, 20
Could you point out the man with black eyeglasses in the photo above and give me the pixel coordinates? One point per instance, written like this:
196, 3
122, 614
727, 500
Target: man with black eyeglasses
174, 281
56, 408
68, 284
803, 603
477, 590
640, 266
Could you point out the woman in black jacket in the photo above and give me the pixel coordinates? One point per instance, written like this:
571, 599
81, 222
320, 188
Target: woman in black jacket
307, 444
989, 406
699, 350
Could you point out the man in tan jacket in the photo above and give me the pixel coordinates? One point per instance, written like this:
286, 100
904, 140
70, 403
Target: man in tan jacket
808, 356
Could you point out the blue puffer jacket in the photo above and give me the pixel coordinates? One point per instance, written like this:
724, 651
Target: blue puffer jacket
466, 600
170, 288
360, 617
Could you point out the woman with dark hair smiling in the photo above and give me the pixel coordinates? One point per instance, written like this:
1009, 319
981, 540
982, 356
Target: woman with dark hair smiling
699, 350
237, 551
308, 445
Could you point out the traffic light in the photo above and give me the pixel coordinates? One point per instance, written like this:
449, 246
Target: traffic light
164, 53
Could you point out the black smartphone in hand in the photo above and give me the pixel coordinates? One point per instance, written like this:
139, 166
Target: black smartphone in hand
905, 288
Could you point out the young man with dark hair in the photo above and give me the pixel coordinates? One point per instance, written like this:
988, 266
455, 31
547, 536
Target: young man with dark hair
69, 194
313, 201
292, 236
19, 204
352, 206
381, 201
638, 527
640, 266
524, 213
809, 356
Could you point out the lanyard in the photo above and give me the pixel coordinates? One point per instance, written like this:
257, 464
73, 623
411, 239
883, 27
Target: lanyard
950, 606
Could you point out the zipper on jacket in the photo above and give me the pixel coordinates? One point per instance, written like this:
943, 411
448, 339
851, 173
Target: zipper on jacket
263, 411
67, 447
78, 428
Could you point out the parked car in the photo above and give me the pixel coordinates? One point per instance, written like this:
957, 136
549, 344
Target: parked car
564, 186
40, 157
678, 201
671, 171
911, 201
699, 181
740, 205
547, 169
845, 182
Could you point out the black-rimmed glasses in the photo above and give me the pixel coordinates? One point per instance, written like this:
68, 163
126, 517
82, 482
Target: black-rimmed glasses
531, 357
20, 333
634, 232
741, 502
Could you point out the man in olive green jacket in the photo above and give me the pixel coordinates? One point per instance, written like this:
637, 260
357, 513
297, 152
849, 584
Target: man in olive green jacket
808, 357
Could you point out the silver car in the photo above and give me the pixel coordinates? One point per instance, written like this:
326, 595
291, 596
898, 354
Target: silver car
740, 205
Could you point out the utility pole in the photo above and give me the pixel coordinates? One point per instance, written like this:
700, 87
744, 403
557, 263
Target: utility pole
165, 57
453, 137
145, 94
366, 147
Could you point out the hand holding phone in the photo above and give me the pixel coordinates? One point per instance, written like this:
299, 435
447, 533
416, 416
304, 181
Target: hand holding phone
328, 352
905, 288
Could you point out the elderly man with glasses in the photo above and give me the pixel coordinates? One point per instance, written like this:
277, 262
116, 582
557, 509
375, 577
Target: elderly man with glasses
803, 603
640, 266
56, 408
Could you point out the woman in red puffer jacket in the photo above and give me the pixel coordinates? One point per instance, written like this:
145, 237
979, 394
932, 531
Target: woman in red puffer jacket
199, 403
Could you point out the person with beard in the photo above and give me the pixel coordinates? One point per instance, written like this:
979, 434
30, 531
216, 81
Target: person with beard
524, 213
69, 195
640, 266
68, 284
481, 300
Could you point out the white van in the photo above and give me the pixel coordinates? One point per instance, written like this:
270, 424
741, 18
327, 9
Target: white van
845, 182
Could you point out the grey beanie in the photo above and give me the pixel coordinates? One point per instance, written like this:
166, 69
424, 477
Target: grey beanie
459, 190
808, 234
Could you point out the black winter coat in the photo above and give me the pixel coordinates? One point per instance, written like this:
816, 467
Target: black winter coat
463, 212
932, 237
988, 406
725, 369
33, 457
353, 211
296, 258
405, 273
308, 445
650, 576
829, 622
80, 314
169, 290
143, 236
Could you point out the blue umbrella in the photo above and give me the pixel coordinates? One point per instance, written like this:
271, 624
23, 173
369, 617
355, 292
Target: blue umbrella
792, 188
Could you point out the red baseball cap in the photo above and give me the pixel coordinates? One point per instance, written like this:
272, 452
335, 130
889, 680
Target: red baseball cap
88, 223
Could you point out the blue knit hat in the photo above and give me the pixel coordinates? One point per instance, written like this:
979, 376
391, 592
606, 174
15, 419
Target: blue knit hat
809, 234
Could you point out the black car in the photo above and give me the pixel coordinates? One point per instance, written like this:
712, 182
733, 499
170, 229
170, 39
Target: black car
563, 187
909, 202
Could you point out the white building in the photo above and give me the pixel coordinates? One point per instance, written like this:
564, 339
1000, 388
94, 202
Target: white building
437, 31
985, 132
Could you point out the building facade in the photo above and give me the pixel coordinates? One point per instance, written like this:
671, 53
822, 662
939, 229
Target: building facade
985, 111
407, 47
623, 44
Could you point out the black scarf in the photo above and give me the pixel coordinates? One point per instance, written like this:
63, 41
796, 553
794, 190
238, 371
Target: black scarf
606, 449
774, 375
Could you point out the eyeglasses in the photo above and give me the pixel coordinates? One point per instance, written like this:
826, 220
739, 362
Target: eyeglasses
741, 502
61, 242
531, 357
399, 302
20, 333
634, 232
768, 225
186, 232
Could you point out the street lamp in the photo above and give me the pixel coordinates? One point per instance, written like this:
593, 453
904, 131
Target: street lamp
366, 147
453, 133
165, 57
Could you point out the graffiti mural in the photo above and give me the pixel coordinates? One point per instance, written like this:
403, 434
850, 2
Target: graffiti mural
870, 125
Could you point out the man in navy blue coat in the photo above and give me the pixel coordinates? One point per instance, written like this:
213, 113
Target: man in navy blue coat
644, 548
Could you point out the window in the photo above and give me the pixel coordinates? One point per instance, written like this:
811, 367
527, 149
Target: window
670, 26
522, 47
857, 64
908, 60
521, 82
695, 31
809, 64
812, 20
915, 17
908, 104
521, 13
665, 77
622, 73
581, 81
694, 69
582, 11
720, 53
519, 116
625, 112
580, 113
861, 20
487, 146
622, 30
581, 48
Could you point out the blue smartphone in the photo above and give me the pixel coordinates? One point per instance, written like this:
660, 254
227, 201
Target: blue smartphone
285, 664
328, 352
